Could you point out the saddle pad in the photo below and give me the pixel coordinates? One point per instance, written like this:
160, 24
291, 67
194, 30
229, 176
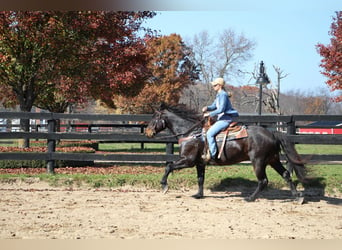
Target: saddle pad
242, 133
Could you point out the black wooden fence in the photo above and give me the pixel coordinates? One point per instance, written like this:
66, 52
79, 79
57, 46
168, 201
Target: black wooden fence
133, 132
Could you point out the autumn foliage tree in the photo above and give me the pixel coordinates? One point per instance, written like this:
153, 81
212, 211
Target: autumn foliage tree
7, 97
33, 46
332, 56
119, 56
170, 71
112, 60
53, 58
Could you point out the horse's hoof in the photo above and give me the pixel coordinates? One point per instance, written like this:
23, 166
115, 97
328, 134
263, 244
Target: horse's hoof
197, 196
165, 188
249, 199
300, 200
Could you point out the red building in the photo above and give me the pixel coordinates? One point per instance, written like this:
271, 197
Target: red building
323, 127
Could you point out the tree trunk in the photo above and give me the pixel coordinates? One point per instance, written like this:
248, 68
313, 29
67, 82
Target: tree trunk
26, 103
24, 127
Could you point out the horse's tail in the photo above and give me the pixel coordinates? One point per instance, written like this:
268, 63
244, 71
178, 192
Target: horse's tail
294, 160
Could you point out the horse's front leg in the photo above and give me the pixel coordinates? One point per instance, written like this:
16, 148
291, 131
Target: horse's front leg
200, 178
163, 182
182, 163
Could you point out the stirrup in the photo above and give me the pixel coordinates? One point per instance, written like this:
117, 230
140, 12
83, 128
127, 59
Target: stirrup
206, 156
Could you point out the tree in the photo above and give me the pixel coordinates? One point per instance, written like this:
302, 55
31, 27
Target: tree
276, 99
53, 56
113, 61
120, 58
40, 50
32, 45
332, 56
7, 97
202, 47
308, 103
170, 71
63, 92
221, 58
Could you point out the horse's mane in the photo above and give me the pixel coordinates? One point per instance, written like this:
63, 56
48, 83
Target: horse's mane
182, 111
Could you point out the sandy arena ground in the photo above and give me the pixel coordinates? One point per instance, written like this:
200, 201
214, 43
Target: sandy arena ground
36, 210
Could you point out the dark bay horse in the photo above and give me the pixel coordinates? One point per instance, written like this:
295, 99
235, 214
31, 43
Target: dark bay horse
261, 147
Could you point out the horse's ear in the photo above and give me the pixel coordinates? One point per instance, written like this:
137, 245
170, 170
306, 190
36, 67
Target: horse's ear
162, 106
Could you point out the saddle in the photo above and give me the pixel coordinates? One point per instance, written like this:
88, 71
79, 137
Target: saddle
233, 132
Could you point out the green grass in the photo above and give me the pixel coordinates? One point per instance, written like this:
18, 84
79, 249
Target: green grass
90, 180
325, 177
318, 149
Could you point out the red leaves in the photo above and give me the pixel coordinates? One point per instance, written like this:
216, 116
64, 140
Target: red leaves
44, 149
76, 150
170, 71
332, 56
78, 54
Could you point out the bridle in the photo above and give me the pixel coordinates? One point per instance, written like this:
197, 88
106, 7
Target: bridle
159, 119
156, 123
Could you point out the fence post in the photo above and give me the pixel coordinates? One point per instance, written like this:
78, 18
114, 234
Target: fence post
291, 127
142, 130
51, 145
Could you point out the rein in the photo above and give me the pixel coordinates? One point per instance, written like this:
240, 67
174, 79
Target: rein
186, 132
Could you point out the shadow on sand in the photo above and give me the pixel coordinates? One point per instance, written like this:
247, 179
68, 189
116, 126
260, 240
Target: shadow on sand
314, 190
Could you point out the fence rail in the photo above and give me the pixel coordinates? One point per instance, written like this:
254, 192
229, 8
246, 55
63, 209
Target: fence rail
288, 124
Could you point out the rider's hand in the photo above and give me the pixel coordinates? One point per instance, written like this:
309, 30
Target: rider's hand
206, 114
204, 109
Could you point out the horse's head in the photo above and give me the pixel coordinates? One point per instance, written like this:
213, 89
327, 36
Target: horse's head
157, 124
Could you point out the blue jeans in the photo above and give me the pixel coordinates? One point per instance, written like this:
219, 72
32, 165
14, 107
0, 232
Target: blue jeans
212, 132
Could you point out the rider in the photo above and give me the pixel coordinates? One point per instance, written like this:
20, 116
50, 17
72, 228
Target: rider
221, 107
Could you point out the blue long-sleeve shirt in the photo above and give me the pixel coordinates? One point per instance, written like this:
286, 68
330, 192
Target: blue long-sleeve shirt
222, 107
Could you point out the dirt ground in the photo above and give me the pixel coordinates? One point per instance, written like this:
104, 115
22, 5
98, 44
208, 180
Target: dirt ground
35, 210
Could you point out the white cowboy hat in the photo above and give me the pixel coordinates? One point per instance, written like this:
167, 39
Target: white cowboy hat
218, 81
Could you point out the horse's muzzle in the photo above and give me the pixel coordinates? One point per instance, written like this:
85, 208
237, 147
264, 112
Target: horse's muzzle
149, 132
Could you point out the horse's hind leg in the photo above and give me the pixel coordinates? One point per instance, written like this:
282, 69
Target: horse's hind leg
260, 172
277, 166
